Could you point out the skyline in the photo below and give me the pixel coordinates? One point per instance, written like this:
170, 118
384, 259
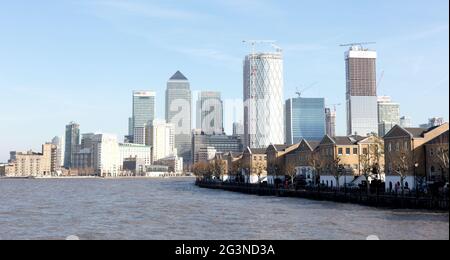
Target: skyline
50, 76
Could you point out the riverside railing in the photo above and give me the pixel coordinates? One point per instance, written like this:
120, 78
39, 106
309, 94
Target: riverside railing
383, 199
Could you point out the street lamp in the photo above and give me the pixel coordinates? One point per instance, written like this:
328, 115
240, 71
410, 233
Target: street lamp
416, 165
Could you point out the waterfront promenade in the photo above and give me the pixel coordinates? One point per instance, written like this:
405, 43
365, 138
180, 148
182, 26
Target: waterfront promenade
356, 196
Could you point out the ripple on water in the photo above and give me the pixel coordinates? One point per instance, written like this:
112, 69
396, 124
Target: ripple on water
176, 209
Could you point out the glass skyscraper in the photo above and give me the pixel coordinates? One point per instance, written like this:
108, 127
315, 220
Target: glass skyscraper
178, 113
362, 110
72, 140
330, 119
305, 119
263, 100
210, 112
143, 114
388, 115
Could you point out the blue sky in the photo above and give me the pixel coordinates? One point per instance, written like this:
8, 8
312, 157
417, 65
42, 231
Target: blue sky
64, 60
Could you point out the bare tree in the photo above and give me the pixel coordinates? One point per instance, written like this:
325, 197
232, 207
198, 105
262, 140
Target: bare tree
317, 164
402, 165
443, 157
219, 168
236, 167
366, 168
291, 171
337, 170
201, 169
377, 156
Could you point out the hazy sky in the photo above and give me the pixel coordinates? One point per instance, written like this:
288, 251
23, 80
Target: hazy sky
79, 60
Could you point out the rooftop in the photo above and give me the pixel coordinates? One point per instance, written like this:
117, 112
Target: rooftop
347, 140
417, 131
178, 76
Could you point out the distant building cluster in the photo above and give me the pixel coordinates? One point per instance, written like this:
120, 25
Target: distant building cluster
272, 127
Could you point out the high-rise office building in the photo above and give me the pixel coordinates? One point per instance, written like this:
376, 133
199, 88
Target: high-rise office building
305, 119
130, 126
210, 112
263, 100
143, 114
72, 140
161, 137
83, 157
388, 115
238, 129
406, 122
330, 122
361, 73
178, 113
57, 143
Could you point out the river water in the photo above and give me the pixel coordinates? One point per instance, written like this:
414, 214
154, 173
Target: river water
176, 209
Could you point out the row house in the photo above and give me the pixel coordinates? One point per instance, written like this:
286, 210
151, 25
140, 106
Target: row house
437, 159
339, 160
306, 161
406, 158
277, 165
233, 163
254, 165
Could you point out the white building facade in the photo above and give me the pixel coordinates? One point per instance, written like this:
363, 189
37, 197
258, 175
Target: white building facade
161, 139
138, 151
106, 155
205, 154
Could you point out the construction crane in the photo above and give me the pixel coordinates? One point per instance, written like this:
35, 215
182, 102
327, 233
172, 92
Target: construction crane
253, 43
335, 106
360, 44
277, 48
300, 92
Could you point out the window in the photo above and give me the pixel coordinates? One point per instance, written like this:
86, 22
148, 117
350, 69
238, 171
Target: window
365, 151
390, 147
340, 151
347, 151
406, 146
355, 150
431, 151
397, 146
